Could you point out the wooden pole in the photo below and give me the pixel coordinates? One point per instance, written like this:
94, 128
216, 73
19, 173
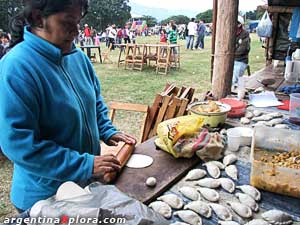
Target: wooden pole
213, 39
224, 47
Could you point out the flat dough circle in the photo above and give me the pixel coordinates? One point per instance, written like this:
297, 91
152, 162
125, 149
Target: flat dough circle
139, 161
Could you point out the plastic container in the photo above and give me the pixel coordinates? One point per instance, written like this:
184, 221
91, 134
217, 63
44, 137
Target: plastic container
233, 139
292, 71
241, 88
267, 142
238, 108
295, 108
245, 134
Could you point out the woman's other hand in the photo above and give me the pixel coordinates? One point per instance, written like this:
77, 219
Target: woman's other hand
128, 139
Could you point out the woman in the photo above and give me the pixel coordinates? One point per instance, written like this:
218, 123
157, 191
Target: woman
51, 109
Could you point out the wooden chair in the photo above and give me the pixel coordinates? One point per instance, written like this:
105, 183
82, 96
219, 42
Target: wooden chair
105, 55
113, 106
139, 57
129, 60
151, 56
163, 60
175, 58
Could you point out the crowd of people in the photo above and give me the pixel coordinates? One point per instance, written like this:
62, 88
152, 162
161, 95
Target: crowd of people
111, 35
194, 33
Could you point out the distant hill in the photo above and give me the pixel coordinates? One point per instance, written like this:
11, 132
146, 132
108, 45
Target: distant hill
159, 13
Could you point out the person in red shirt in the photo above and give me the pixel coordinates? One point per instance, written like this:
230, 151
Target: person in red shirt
163, 36
87, 35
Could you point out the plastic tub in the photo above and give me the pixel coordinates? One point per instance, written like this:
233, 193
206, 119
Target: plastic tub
295, 108
233, 139
245, 134
266, 143
238, 108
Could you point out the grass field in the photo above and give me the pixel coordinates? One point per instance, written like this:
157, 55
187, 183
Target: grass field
140, 87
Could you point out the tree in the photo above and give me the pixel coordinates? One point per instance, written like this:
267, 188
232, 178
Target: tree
104, 12
9, 8
207, 16
180, 19
101, 12
254, 15
150, 20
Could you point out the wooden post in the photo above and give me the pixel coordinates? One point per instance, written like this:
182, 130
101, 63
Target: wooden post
213, 39
224, 48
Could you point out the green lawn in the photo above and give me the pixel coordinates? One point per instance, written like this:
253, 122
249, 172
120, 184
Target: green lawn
140, 87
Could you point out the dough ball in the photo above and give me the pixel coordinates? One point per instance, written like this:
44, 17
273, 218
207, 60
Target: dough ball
151, 181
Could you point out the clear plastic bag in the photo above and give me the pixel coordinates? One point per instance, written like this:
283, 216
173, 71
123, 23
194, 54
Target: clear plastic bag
104, 203
264, 28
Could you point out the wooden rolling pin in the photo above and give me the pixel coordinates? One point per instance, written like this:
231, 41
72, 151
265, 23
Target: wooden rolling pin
123, 155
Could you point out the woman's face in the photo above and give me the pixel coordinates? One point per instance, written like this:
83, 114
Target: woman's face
61, 28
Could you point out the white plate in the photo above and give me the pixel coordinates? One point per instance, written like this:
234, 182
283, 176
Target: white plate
139, 161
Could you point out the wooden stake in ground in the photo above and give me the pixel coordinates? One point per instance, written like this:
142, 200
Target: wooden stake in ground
224, 47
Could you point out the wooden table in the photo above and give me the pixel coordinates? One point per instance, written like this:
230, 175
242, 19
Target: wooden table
268, 72
88, 50
122, 52
152, 56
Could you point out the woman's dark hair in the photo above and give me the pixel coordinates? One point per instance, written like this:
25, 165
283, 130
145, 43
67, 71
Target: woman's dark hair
45, 8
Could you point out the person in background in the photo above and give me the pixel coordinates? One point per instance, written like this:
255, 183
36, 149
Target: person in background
192, 30
132, 36
107, 29
163, 36
97, 39
119, 35
186, 35
172, 38
2, 52
201, 28
4, 44
242, 49
126, 34
81, 38
4, 38
87, 35
112, 35
52, 110
93, 35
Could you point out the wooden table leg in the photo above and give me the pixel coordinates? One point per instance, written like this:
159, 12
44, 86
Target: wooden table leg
88, 52
119, 59
99, 50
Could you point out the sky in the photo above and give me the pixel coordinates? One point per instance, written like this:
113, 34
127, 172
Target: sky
199, 5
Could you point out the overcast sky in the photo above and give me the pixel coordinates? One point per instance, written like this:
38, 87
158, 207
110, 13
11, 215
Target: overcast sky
199, 5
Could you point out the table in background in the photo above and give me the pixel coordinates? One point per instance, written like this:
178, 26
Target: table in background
88, 50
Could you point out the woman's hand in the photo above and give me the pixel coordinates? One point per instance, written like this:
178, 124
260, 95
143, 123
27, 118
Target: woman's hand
105, 164
128, 139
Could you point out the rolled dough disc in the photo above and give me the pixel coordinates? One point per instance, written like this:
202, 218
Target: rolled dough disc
139, 161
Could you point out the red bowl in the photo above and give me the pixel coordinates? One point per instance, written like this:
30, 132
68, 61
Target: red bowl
238, 108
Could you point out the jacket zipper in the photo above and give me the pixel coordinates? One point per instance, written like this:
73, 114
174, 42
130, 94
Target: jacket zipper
82, 108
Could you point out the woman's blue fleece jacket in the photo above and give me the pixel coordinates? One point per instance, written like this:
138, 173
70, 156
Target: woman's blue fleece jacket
52, 117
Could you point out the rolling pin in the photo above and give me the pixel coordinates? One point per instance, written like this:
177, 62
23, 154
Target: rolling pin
123, 155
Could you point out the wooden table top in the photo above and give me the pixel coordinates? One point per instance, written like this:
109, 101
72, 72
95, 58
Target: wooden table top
90, 46
165, 168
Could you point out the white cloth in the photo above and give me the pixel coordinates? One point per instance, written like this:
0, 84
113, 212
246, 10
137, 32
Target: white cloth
192, 27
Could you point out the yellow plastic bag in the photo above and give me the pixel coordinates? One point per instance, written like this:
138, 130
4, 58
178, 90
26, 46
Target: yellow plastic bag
171, 130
